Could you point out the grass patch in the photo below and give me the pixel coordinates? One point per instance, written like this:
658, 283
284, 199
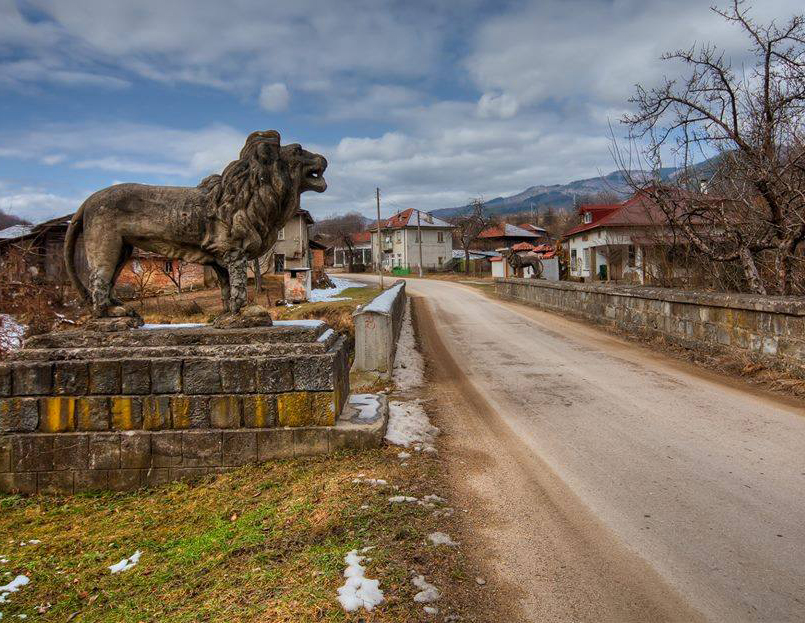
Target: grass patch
337, 314
264, 543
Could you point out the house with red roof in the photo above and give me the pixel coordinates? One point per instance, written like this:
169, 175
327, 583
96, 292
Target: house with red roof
399, 243
617, 241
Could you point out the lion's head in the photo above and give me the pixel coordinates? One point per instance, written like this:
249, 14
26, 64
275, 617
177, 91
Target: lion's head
257, 193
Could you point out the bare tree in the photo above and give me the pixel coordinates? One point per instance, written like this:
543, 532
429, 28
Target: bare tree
175, 270
753, 207
468, 228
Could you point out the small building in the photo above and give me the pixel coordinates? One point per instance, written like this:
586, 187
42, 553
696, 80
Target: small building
361, 250
292, 249
505, 235
317, 252
399, 246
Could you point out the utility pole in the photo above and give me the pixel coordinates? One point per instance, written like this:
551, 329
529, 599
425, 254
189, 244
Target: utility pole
419, 237
379, 243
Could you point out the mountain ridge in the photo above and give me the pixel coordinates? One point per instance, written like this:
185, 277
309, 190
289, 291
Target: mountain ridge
563, 196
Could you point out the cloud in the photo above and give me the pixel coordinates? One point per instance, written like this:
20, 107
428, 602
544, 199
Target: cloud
129, 147
36, 205
500, 105
274, 97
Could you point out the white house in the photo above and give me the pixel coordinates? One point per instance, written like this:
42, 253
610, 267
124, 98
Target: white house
400, 246
617, 241
361, 250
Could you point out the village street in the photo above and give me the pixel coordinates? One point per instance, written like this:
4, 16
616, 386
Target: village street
607, 482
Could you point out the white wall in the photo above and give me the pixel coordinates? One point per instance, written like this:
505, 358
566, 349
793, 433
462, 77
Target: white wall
432, 249
587, 266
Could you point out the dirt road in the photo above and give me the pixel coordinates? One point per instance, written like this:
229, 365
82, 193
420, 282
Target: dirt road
607, 482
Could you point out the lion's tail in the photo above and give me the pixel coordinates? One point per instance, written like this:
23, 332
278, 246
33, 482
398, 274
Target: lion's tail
73, 231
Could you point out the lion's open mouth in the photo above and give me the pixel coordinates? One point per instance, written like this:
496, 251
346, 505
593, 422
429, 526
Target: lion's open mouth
314, 179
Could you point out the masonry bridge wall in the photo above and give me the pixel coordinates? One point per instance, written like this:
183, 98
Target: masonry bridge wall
763, 327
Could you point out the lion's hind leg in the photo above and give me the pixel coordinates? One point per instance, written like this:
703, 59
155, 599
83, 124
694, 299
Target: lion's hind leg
223, 281
104, 252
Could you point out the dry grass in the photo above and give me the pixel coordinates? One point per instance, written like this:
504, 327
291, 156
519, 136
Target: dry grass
264, 543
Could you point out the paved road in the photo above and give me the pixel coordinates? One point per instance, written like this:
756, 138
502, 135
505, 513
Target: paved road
700, 477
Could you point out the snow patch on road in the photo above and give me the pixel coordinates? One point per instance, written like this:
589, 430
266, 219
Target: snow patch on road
409, 425
358, 591
409, 368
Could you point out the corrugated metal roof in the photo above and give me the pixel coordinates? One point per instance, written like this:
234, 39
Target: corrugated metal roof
15, 231
507, 230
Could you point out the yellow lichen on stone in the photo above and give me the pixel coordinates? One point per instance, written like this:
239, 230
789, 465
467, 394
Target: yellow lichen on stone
322, 408
121, 413
225, 412
156, 413
59, 415
262, 412
84, 417
180, 412
294, 409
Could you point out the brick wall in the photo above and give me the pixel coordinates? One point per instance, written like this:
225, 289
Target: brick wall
765, 327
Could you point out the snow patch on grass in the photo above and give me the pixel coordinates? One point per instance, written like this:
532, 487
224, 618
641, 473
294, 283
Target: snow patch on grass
398, 499
11, 333
358, 591
126, 563
433, 498
375, 482
440, 538
328, 295
428, 593
409, 425
12, 587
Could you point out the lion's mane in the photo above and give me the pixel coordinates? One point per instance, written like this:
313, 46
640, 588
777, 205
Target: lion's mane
247, 198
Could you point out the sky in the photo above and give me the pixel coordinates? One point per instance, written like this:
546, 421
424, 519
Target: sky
434, 102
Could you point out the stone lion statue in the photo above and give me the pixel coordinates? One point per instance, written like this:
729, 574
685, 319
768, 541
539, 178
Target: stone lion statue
519, 262
224, 222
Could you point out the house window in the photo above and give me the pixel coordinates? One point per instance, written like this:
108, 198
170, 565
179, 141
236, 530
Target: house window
632, 259
281, 234
279, 262
136, 267
573, 259
169, 267
440, 237
588, 217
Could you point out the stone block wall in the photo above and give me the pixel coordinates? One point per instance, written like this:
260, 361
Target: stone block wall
765, 327
82, 410
44, 391
93, 461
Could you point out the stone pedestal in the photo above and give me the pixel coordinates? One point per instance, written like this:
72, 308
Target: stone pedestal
83, 410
